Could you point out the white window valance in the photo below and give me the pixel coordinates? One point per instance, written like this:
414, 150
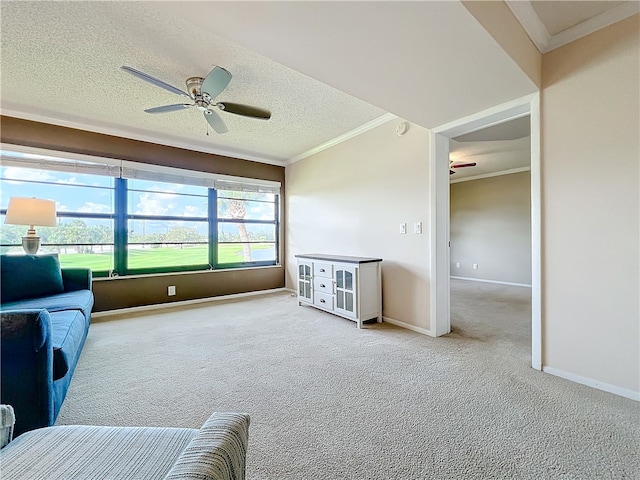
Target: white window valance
27, 157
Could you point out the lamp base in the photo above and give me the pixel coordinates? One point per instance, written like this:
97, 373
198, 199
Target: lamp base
31, 244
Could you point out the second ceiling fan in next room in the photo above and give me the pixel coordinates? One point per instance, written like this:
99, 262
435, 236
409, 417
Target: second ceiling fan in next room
453, 165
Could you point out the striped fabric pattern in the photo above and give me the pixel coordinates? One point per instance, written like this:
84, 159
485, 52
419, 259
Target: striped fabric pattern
7, 421
88, 452
218, 452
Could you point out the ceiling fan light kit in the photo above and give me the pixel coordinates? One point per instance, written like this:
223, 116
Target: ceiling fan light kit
203, 91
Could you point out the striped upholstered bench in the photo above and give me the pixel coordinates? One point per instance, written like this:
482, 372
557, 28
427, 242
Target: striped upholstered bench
217, 451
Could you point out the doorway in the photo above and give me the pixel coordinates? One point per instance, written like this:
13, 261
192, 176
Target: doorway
490, 235
440, 294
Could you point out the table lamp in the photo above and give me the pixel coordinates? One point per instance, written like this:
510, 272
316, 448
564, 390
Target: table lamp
31, 211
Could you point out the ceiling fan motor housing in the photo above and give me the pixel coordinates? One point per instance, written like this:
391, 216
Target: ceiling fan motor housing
194, 86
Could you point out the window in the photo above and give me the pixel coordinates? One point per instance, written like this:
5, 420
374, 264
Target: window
85, 231
167, 226
125, 218
246, 227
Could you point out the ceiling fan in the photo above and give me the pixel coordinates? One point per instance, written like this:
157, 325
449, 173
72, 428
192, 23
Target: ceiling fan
459, 165
203, 91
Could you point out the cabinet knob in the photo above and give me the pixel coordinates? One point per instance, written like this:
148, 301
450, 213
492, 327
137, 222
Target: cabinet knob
322, 285
322, 270
322, 300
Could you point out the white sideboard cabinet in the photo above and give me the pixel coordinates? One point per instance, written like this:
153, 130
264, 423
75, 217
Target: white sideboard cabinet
347, 286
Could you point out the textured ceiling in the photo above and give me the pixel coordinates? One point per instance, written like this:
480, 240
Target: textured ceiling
61, 63
426, 62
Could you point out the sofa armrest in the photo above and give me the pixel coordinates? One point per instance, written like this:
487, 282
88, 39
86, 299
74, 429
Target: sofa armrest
76, 278
217, 452
26, 364
7, 421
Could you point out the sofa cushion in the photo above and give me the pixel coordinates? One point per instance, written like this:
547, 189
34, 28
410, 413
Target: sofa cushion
85, 452
68, 331
79, 300
26, 276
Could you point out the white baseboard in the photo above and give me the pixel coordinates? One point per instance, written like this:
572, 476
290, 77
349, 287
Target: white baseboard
493, 281
589, 382
408, 326
157, 306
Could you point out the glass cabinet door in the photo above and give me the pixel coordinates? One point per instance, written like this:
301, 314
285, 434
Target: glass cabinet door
345, 278
304, 281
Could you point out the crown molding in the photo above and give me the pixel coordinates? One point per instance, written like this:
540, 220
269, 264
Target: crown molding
594, 24
376, 122
530, 21
136, 134
545, 42
492, 174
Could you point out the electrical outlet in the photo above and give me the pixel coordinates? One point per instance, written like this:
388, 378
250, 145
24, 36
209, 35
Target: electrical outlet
457, 264
475, 266
171, 290
403, 228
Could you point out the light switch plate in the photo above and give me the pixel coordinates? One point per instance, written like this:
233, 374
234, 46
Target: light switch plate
417, 227
403, 228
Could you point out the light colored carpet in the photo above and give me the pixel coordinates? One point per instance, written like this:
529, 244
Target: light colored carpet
328, 401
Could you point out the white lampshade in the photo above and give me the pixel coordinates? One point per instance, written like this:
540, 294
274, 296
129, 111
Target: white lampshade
31, 211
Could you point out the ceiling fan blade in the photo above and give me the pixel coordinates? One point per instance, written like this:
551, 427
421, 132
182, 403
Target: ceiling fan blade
215, 121
215, 82
168, 108
154, 81
464, 165
245, 110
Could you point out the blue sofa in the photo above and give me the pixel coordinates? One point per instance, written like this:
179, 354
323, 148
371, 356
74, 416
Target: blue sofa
45, 312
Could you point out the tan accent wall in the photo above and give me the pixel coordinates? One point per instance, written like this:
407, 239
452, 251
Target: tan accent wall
590, 181
123, 292
43, 135
503, 26
491, 227
351, 199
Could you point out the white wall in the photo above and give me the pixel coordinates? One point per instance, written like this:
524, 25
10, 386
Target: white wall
491, 227
350, 200
590, 182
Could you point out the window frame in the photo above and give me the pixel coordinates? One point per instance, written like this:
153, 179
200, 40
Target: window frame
276, 242
120, 218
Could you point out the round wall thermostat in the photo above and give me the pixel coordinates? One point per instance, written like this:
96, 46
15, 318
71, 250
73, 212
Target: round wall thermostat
402, 128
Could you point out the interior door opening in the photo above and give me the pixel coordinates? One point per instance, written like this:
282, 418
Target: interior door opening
490, 235
440, 210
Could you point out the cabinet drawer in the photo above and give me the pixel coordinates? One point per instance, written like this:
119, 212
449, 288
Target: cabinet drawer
323, 285
321, 269
323, 300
